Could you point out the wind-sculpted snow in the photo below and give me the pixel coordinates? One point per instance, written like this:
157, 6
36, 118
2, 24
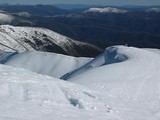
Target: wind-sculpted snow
51, 64
110, 56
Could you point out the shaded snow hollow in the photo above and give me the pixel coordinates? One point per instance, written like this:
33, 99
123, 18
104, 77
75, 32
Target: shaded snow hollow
123, 83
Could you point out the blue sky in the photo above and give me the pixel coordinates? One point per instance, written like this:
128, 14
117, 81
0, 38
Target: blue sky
107, 2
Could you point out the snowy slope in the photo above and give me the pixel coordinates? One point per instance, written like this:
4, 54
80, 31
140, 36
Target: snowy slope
129, 76
105, 10
153, 50
123, 83
31, 38
29, 96
51, 64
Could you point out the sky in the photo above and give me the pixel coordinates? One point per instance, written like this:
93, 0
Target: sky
93, 2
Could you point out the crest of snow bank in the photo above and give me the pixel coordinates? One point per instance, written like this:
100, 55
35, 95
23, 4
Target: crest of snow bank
51, 64
5, 18
105, 10
110, 56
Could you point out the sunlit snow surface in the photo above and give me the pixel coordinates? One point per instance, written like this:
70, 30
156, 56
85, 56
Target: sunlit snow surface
121, 84
52, 64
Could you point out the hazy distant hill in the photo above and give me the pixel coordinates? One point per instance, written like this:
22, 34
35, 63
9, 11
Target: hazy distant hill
43, 10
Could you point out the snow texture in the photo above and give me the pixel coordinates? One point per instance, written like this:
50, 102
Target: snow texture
123, 83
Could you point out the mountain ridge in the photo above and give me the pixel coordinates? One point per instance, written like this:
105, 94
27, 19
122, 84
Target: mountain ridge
33, 38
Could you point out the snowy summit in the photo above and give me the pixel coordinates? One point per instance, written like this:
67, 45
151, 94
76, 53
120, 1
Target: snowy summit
105, 10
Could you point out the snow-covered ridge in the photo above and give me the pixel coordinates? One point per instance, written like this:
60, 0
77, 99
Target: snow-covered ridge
22, 33
52, 64
23, 39
106, 10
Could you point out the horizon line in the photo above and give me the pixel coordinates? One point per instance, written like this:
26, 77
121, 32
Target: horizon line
79, 4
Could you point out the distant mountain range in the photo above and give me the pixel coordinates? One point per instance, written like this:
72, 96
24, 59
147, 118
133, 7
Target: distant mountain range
76, 6
102, 26
43, 10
